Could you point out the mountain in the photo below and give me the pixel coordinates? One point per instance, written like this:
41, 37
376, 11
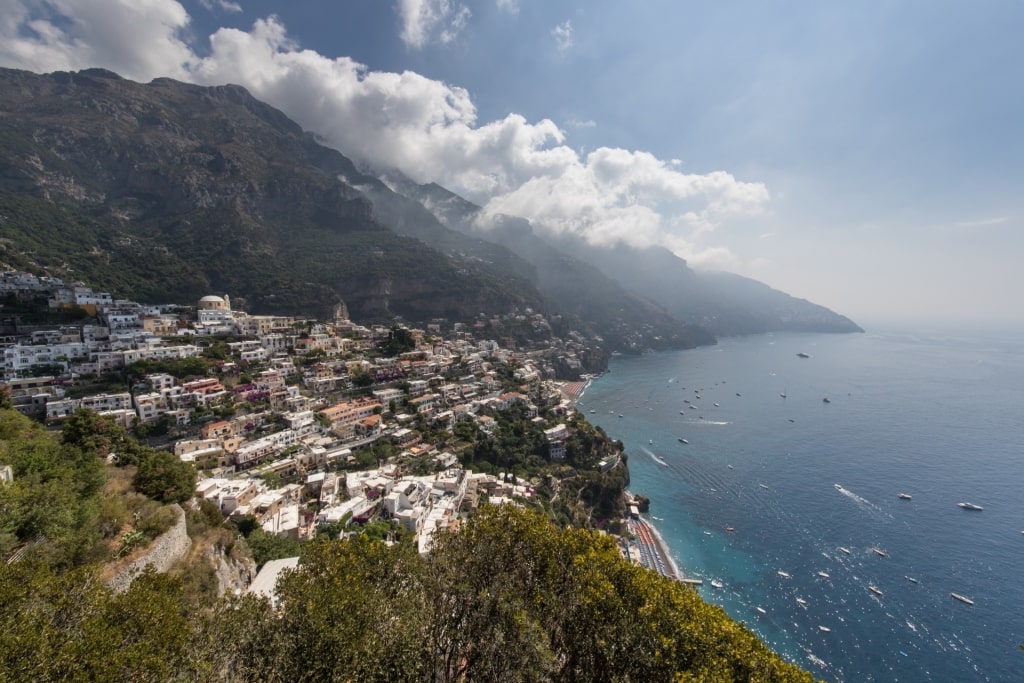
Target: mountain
168, 191
710, 303
624, 319
724, 303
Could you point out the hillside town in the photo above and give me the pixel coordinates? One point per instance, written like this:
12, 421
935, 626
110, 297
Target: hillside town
299, 424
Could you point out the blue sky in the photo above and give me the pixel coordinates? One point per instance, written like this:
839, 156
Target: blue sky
867, 156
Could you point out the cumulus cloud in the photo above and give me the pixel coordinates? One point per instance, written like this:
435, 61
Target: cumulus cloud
426, 128
563, 35
426, 20
140, 39
510, 6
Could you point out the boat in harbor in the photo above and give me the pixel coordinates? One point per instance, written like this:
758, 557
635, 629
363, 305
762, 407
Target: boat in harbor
962, 598
715, 583
903, 496
824, 575
874, 590
783, 574
970, 506
879, 552
692, 582
911, 579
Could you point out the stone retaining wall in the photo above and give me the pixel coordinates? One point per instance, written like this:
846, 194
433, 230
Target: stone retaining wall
168, 548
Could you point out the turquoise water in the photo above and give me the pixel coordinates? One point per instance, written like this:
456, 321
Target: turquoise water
939, 416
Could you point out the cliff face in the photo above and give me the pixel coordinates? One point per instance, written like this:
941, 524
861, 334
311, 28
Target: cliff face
167, 191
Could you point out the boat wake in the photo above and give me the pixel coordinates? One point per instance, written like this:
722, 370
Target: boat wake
863, 502
654, 457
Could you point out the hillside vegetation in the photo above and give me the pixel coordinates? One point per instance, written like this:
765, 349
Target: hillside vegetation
508, 597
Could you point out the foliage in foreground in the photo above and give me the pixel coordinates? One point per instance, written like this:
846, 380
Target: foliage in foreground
509, 597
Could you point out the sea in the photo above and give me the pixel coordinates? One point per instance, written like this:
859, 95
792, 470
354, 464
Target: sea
790, 500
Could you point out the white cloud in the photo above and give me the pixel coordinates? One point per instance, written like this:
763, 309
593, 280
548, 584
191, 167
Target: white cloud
225, 5
563, 35
575, 123
510, 6
424, 127
139, 39
426, 20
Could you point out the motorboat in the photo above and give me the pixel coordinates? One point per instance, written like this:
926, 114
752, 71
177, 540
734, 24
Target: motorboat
801, 602
879, 552
783, 574
845, 550
824, 629
970, 506
803, 355
729, 528
715, 583
761, 610
838, 487
824, 575
903, 496
962, 598
763, 486
874, 590
911, 579
826, 400
682, 440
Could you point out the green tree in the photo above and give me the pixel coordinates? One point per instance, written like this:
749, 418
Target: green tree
164, 477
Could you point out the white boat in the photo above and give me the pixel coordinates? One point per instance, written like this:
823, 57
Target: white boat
879, 552
801, 602
970, 506
716, 405
824, 575
838, 487
911, 579
803, 355
962, 598
845, 550
761, 610
783, 574
650, 442
682, 440
874, 590
824, 629
903, 496
715, 583
762, 486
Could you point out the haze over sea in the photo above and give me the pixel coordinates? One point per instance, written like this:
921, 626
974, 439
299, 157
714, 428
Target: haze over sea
938, 415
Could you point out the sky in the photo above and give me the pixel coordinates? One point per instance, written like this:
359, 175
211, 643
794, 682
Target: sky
865, 156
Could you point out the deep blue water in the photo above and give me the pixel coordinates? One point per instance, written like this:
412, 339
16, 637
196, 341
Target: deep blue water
939, 416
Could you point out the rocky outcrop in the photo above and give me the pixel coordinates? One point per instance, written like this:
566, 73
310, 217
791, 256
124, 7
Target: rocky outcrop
168, 548
234, 574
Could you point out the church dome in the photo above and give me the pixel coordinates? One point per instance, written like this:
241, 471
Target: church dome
213, 303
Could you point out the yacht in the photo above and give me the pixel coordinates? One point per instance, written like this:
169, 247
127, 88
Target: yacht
682, 440
879, 552
824, 629
911, 579
826, 400
715, 583
824, 575
962, 598
845, 550
801, 602
970, 506
783, 574
838, 487
874, 590
903, 496
762, 486
803, 355
761, 610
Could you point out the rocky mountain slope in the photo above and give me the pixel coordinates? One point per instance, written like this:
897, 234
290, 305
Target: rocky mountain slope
168, 191
717, 302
